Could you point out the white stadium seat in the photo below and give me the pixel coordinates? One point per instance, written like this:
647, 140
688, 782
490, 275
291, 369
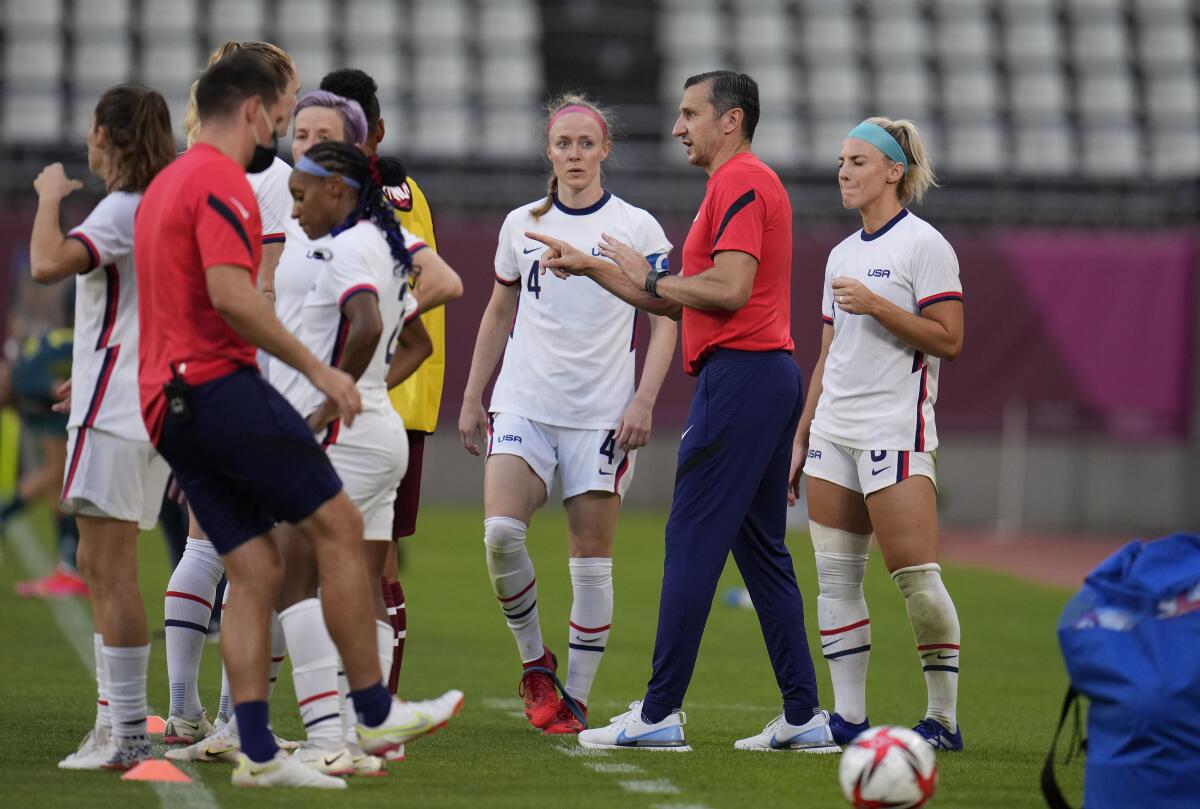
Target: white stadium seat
1038, 94
1173, 99
969, 92
904, 92
1176, 151
509, 24
97, 64
1030, 43
1099, 42
32, 118
240, 20
1106, 97
1112, 151
24, 16
1166, 44
511, 77
100, 16
1044, 148
965, 41
295, 19
442, 130
365, 22
176, 18
442, 73
975, 146
33, 63
898, 38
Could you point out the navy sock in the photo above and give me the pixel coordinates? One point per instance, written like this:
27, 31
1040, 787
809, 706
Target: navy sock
257, 740
655, 712
372, 704
799, 716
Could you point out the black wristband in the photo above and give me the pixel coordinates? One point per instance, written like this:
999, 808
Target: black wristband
651, 285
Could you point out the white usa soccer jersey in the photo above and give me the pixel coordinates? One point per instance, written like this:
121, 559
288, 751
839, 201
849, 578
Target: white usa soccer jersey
879, 393
570, 355
274, 199
299, 265
104, 368
359, 261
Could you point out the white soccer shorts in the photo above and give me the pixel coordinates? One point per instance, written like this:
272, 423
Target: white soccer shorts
866, 471
371, 462
584, 460
115, 478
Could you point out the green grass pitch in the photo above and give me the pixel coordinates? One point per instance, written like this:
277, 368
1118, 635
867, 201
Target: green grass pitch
1012, 684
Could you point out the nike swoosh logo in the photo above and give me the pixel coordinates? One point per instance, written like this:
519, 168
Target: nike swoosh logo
626, 739
261, 770
582, 639
827, 645
604, 473
533, 249
946, 657
422, 723
685, 432
880, 471
331, 760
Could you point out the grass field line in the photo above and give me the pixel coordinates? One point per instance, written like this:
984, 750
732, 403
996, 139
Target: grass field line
76, 625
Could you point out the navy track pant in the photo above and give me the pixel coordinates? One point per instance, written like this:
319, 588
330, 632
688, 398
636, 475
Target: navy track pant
731, 495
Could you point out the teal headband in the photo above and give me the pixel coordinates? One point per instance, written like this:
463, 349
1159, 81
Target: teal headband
882, 140
308, 166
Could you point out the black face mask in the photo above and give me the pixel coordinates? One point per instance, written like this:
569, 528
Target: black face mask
263, 156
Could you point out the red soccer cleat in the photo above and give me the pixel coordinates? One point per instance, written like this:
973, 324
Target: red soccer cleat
62, 583
538, 688
565, 721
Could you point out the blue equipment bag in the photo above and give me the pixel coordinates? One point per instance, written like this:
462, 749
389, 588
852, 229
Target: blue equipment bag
1131, 641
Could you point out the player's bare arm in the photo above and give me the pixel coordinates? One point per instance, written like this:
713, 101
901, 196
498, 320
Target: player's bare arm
489, 347
438, 282
362, 337
413, 347
633, 431
266, 269
51, 256
937, 331
800, 443
251, 315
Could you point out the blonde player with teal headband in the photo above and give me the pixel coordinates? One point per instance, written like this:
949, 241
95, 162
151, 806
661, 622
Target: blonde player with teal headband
892, 311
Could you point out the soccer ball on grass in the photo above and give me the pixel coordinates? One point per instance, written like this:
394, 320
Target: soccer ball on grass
888, 767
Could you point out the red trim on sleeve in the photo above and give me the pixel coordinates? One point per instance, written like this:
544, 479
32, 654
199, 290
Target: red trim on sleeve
506, 282
354, 290
416, 247
416, 313
828, 320
93, 253
939, 298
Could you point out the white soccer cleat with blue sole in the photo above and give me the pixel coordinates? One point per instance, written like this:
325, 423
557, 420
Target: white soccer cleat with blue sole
813, 736
629, 732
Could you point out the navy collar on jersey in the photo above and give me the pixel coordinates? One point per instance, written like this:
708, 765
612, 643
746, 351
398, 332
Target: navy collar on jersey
867, 237
583, 211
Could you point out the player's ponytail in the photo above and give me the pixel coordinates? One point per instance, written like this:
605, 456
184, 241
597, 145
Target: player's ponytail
607, 126
139, 143
920, 177
374, 174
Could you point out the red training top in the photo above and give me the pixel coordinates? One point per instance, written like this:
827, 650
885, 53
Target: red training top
745, 208
199, 212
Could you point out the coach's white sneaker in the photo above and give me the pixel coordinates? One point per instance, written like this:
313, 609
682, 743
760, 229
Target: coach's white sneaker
629, 730
95, 750
325, 759
186, 731
282, 771
814, 736
409, 720
222, 745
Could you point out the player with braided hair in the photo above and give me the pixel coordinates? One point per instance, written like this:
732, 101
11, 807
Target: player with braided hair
358, 307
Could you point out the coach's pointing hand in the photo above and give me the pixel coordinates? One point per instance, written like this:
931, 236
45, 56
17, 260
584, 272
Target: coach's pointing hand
561, 258
340, 388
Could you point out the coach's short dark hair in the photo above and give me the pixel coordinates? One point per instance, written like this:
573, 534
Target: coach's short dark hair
233, 79
729, 90
356, 85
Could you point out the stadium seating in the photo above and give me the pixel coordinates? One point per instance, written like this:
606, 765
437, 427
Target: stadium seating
1109, 88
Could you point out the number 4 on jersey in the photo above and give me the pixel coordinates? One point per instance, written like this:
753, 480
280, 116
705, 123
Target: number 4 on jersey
534, 284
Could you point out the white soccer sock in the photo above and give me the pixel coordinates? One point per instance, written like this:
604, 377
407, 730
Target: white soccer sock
385, 638
103, 715
126, 673
187, 609
225, 706
842, 616
514, 582
591, 620
278, 652
935, 627
315, 669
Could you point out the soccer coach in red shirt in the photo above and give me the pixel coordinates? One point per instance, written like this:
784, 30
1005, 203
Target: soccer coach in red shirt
734, 297
242, 455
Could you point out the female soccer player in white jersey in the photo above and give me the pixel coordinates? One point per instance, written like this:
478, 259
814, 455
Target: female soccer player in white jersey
114, 478
564, 405
892, 309
192, 588
355, 313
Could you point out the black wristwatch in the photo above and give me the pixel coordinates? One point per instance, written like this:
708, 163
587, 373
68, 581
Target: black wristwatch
651, 285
